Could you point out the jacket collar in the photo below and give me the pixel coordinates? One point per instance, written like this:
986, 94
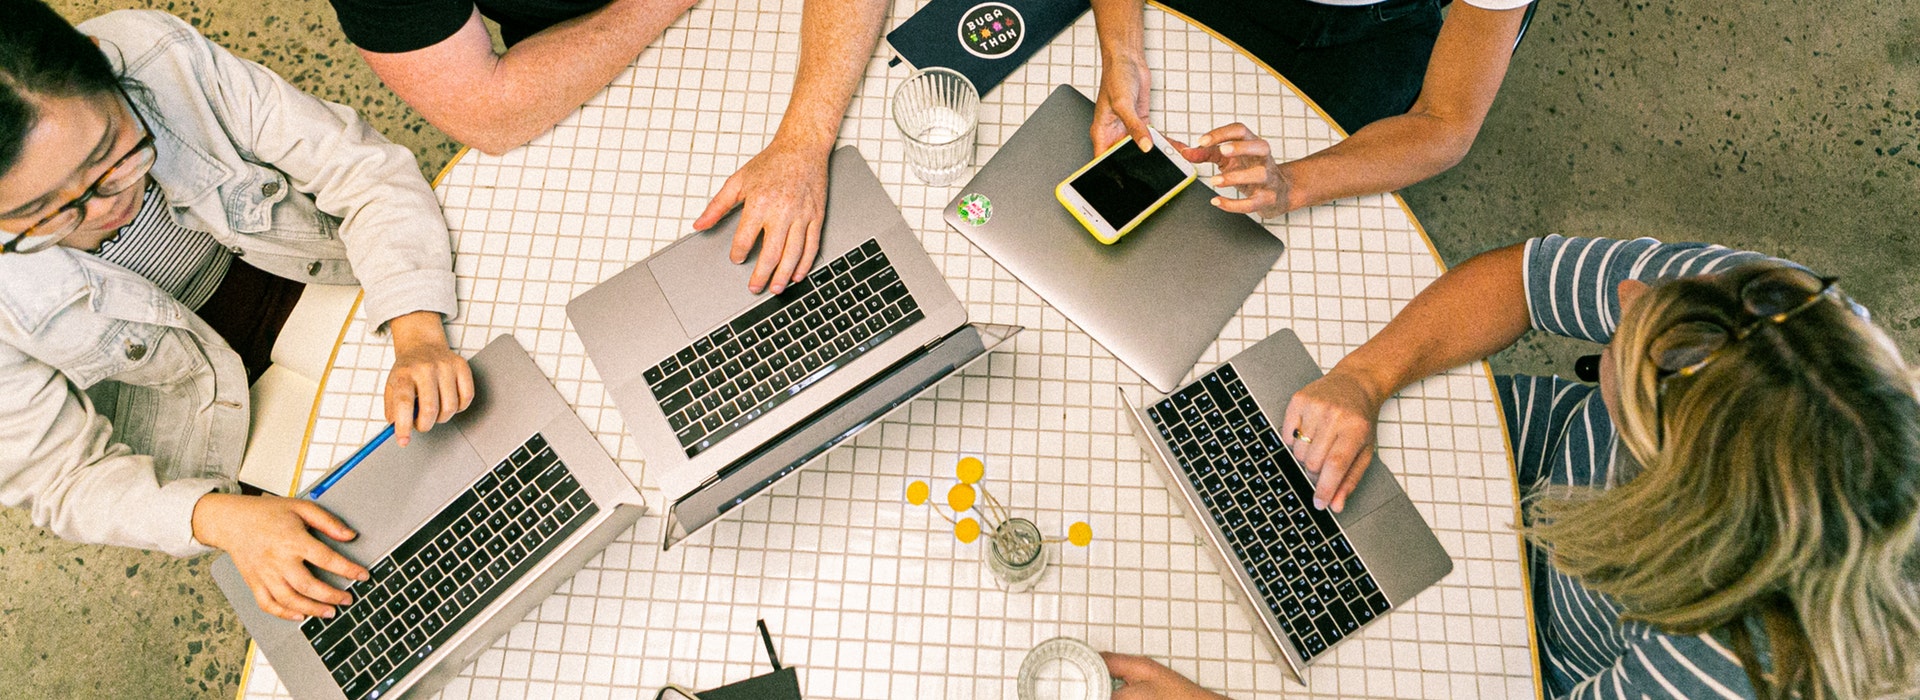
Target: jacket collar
181, 168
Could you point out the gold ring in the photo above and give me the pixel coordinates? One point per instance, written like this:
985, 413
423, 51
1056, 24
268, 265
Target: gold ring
1302, 438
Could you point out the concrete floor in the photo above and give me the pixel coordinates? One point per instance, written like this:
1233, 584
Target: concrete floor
1785, 126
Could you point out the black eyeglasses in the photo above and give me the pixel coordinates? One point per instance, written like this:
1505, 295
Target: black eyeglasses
124, 173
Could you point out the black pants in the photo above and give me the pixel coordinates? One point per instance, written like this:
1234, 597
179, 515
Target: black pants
1360, 64
248, 309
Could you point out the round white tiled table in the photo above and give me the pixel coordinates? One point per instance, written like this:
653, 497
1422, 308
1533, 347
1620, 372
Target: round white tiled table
871, 597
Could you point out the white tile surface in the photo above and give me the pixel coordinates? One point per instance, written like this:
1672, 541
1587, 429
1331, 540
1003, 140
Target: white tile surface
871, 597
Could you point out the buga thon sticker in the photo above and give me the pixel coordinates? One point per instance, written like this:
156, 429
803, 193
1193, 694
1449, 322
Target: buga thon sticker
991, 30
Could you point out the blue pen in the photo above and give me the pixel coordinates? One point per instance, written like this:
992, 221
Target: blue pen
347, 466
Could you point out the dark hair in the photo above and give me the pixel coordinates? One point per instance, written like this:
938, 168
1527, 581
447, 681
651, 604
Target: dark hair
42, 54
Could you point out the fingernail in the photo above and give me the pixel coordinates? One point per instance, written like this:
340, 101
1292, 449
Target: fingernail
1319, 504
1226, 149
778, 288
328, 613
1215, 180
1205, 141
1217, 201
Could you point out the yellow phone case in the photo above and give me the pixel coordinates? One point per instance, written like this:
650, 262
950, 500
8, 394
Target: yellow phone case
1059, 189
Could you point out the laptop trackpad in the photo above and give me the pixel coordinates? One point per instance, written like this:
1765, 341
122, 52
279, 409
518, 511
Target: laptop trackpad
700, 283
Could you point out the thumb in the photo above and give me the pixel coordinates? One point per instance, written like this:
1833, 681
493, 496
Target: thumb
723, 201
319, 519
1137, 128
1129, 668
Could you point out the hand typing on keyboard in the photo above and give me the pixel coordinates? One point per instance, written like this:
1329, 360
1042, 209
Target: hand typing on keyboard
268, 540
1334, 417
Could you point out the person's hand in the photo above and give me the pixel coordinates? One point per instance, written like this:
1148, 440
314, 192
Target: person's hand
1120, 109
785, 193
429, 382
1246, 162
1329, 427
1146, 679
268, 540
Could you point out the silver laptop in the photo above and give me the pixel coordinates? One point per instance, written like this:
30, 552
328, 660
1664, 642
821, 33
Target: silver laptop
1312, 577
728, 392
465, 531
1157, 298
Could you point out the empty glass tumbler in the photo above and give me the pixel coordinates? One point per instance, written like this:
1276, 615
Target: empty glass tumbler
936, 111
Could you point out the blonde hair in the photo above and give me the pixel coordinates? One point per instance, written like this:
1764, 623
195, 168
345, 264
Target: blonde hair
1779, 489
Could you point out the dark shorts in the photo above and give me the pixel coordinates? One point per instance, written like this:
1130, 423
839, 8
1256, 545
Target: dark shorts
1360, 64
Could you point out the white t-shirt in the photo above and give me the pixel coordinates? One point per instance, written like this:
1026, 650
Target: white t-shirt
1482, 4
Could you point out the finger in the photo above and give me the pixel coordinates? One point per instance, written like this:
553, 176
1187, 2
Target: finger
1136, 127
463, 379
264, 599
723, 201
400, 410
1290, 423
1231, 132
813, 249
320, 519
449, 392
745, 232
426, 403
320, 555
1129, 668
294, 601
794, 245
1328, 482
1253, 204
1247, 148
314, 589
1360, 465
1243, 177
772, 243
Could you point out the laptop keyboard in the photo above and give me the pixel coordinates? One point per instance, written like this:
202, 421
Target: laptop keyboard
781, 346
449, 570
1298, 557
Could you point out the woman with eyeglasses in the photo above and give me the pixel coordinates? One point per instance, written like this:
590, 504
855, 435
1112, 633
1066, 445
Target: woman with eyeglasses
162, 202
1732, 512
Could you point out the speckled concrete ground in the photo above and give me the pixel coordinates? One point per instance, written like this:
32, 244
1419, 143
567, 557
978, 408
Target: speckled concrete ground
1786, 126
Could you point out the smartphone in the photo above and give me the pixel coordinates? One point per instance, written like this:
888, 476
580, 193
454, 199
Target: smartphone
1125, 185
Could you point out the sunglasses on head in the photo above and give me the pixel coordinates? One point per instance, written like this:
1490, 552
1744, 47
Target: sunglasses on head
1687, 347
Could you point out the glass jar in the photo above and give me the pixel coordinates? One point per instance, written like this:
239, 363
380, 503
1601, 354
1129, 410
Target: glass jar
1017, 555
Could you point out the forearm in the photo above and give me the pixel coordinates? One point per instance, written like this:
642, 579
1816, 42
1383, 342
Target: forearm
1382, 157
1469, 62
836, 42
1470, 312
521, 94
1120, 25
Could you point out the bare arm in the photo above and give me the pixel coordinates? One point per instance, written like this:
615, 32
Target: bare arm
1472, 311
1120, 108
496, 102
1469, 62
784, 188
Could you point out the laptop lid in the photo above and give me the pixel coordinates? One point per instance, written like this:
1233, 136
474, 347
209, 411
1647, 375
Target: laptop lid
682, 301
1157, 298
863, 407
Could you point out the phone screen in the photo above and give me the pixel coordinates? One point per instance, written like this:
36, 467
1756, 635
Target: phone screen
1125, 183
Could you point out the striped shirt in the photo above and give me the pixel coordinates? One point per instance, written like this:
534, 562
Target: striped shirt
185, 263
1562, 435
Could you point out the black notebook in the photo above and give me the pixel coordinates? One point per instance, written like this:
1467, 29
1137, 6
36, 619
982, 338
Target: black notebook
984, 41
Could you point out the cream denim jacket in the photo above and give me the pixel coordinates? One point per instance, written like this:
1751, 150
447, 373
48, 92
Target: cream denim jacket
295, 186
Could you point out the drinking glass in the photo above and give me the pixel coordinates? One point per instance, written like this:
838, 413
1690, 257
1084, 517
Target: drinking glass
936, 111
1064, 668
